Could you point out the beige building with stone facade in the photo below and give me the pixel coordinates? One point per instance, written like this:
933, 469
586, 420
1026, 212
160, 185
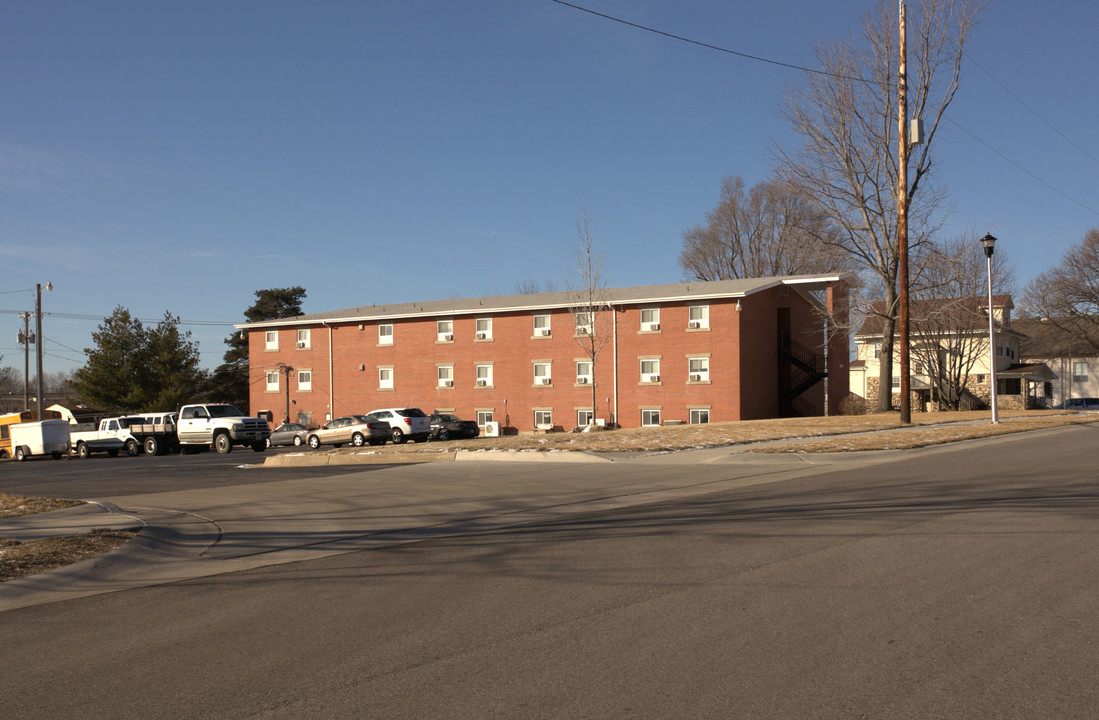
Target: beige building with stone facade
950, 353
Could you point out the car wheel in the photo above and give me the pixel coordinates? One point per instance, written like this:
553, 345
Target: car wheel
297, 441
397, 437
82, 451
223, 444
444, 435
152, 446
314, 442
20, 456
268, 442
357, 440
132, 448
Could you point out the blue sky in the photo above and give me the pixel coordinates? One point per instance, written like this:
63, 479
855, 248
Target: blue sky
180, 156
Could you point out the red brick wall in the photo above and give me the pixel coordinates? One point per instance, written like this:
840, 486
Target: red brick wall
741, 347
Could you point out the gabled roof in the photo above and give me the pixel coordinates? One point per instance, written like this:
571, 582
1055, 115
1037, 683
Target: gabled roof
1045, 339
962, 309
677, 292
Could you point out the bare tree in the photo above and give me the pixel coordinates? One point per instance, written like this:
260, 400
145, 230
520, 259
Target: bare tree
591, 309
530, 286
1067, 295
771, 229
848, 163
950, 313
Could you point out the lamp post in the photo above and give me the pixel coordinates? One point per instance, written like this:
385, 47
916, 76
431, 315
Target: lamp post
989, 244
38, 341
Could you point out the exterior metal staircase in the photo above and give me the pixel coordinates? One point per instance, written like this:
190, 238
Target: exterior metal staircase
800, 368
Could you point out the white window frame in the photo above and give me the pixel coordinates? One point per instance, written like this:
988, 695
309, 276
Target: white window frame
385, 377
272, 386
650, 417
305, 337
698, 369
652, 374
585, 418
542, 326
584, 374
543, 374
484, 375
484, 417
483, 327
698, 317
584, 328
699, 416
445, 375
385, 334
545, 416
444, 331
305, 384
650, 319
271, 340
1077, 366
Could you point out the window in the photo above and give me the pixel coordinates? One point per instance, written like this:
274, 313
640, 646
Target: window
385, 378
543, 418
1011, 386
446, 375
272, 381
584, 418
584, 324
484, 376
542, 373
698, 369
484, 328
303, 339
650, 370
698, 317
650, 418
650, 319
541, 326
444, 330
484, 417
877, 351
583, 372
1079, 371
305, 380
271, 340
700, 416
385, 334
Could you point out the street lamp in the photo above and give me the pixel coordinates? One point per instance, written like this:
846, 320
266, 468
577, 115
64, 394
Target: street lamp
989, 244
38, 341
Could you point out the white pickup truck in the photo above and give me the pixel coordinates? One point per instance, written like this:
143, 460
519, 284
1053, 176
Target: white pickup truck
111, 436
200, 426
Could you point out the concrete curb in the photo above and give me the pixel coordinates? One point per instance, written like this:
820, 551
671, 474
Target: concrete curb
366, 457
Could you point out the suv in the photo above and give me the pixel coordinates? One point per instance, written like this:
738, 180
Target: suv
1078, 404
404, 423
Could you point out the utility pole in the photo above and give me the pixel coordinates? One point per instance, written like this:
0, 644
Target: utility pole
285, 370
38, 341
902, 220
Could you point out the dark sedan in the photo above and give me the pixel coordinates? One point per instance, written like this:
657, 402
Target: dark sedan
447, 427
288, 434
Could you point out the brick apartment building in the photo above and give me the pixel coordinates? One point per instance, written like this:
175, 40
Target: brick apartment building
689, 352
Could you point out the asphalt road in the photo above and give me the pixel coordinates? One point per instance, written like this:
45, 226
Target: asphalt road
955, 583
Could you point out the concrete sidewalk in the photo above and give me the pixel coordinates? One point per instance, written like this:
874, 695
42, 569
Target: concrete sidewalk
76, 520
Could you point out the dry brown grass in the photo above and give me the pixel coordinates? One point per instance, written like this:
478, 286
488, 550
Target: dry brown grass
818, 434
12, 505
19, 559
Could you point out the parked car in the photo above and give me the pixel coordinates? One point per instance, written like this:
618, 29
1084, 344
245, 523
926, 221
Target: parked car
289, 434
405, 423
357, 430
446, 427
1078, 404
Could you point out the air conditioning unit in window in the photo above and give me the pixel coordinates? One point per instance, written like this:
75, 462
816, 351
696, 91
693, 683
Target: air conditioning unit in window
448, 338
694, 325
482, 383
582, 331
544, 381
302, 344
654, 326
696, 378
543, 331
448, 383
482, 336
582, 380
654, 378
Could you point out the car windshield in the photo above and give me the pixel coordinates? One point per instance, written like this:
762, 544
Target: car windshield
224, 411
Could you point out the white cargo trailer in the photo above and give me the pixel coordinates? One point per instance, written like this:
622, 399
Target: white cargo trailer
41, 438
